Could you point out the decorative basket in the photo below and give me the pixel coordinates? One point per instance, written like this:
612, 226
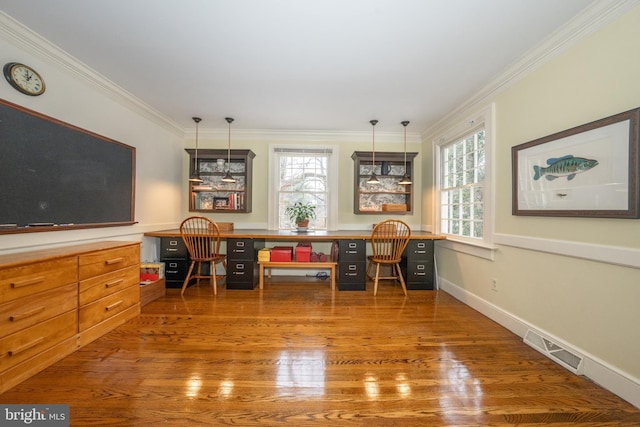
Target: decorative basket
394, 207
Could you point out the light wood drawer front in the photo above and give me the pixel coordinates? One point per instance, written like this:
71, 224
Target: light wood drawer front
18, 282
101, 286
26, 312
108, 306
29, 342
102, 262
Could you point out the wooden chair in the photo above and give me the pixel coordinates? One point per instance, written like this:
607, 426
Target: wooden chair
388, 240
201, 236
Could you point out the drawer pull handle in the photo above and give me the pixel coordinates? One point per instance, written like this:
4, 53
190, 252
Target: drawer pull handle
28, 282
20, 316
112, 284
26, 346
114, 261
114, 305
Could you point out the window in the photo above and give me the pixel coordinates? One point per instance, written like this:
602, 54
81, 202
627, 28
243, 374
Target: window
462, 190
303, 174
465, 196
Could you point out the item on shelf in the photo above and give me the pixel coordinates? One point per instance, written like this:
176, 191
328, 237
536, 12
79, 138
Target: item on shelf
303, 252
225, 226
264, 255
282, 253
394, 207
151, 271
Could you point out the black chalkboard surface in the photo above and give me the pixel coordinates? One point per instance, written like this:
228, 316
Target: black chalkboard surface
55, 176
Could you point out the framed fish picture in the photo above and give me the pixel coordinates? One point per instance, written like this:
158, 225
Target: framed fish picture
587, 171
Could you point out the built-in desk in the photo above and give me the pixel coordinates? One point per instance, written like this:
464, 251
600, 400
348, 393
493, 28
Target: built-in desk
351, 262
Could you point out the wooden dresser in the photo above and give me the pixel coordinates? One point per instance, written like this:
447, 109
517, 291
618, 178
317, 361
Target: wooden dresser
54, 301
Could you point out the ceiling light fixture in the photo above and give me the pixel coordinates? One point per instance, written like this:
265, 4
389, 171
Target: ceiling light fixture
405, 180
228, 177
373, 179
195, 176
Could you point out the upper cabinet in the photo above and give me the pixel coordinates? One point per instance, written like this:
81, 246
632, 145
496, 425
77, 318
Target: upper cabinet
389, 196
214, 195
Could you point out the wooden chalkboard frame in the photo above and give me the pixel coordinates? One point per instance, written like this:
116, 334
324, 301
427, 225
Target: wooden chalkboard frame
121, 158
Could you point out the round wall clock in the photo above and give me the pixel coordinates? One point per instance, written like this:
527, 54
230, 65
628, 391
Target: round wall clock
24, 78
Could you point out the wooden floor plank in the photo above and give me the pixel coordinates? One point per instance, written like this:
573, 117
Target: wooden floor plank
297, 353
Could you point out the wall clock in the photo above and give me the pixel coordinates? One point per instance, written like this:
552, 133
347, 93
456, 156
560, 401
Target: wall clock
24, 78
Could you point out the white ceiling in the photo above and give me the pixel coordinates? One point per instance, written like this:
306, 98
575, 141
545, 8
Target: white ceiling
329, 65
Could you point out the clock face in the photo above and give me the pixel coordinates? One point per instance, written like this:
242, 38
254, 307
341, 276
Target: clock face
24, 78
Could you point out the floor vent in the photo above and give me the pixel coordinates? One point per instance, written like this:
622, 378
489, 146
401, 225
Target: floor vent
569, 359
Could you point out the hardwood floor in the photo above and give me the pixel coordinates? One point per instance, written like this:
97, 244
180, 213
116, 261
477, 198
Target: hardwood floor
297, 353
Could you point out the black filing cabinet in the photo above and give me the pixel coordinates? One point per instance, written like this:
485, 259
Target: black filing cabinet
175, 256
242, 263
418, 264
352, 262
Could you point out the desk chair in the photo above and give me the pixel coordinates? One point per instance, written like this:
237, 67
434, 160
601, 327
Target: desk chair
201, 236
388, 240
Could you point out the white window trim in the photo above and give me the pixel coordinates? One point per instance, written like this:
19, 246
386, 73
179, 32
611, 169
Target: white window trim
484, 247
272, 205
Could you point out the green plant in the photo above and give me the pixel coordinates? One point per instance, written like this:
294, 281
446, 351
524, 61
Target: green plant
300, 211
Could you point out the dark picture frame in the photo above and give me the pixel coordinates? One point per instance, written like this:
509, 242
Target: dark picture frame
586, 171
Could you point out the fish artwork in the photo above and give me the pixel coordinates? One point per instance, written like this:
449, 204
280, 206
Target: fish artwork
567, 166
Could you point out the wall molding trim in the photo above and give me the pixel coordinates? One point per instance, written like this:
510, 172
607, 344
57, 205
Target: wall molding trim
617, 255
609, 377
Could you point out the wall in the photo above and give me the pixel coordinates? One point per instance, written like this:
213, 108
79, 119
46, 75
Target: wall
79, 96
589, 303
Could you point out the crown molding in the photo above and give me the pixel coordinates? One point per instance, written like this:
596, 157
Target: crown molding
31, 42
597, 15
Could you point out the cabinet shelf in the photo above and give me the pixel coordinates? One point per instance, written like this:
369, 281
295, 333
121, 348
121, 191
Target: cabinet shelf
213, 195
389, 196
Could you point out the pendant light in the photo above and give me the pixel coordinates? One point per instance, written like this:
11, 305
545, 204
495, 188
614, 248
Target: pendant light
405, 180
195, 176
373, 179
228, 177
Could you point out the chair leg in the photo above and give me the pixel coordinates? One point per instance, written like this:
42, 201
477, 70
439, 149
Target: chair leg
186, 280
214, 281
399, 271
375, 281
368, 272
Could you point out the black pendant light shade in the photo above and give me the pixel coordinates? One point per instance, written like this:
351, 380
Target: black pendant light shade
227, 177
195, 176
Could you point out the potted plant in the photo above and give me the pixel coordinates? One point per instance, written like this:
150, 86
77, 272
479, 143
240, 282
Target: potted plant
300, 213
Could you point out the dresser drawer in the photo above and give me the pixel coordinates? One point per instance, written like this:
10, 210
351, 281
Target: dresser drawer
22, 281
18, 347
109, 306
97, 263
26, 312
106, 284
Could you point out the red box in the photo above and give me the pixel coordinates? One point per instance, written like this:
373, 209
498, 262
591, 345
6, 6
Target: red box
303, 252
281, 253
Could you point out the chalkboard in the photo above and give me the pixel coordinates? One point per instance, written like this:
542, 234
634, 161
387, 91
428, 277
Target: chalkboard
56, 176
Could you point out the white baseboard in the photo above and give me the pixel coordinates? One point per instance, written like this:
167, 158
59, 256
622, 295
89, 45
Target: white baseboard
605, 375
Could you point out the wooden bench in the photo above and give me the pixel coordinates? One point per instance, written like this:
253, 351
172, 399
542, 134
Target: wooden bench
323, 265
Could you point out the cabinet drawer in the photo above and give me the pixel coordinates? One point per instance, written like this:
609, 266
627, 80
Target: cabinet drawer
419, 250
18, 282
173, 247
26, 312
352, 272
352, 250
101, 286
104, 308
29, 342
176, 269
95, 264
241, 272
